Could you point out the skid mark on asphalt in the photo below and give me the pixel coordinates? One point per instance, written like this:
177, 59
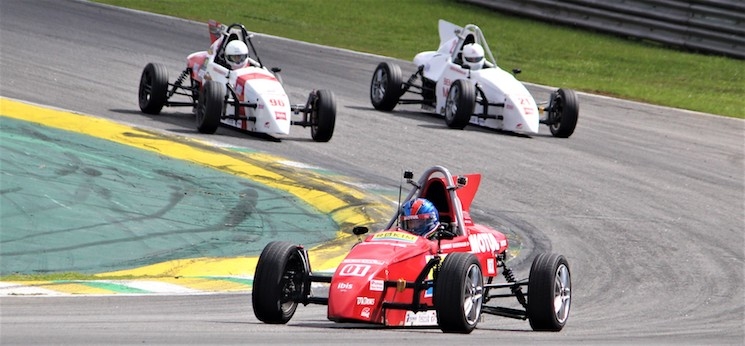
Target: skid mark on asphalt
102, 180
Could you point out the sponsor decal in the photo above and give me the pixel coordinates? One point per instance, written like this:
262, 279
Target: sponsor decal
280, 115
421, 318
256, 75
354, 270
365, 313
344, 286
363, 260
239, 90
365, 301
490, 266
219, 71
457, 69
395, 236
377, 285
456, 245
527, 105
382, 242
267, 125
483, 242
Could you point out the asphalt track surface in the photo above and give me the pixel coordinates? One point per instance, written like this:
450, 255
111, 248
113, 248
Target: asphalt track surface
645, 202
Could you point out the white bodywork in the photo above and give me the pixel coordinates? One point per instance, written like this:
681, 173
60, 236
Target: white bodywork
272, 114
520, 112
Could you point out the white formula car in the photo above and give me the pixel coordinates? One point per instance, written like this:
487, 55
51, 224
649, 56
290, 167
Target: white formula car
247, 96
484, 95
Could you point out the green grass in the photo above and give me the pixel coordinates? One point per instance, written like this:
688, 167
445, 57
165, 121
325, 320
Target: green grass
551, 55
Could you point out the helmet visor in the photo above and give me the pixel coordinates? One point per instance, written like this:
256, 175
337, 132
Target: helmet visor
239, 58
417, 223
474, 58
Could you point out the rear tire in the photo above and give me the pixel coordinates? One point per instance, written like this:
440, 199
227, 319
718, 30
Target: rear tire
565, 113
458, 295
549, 293
323, 116
278, 283
460, 103
210, 107
153, 88
385, 87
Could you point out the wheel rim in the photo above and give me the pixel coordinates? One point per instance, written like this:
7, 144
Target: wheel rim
201, 110
473, 295
314, 120
562, 293
146, 87
556, 114
451, 103
379, 85
293, 283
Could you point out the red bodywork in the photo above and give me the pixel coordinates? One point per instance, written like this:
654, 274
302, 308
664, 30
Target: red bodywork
358, 288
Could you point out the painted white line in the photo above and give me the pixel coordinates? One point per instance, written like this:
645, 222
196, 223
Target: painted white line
11, 289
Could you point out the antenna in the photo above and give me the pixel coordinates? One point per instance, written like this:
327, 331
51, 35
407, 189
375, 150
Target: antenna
408, 175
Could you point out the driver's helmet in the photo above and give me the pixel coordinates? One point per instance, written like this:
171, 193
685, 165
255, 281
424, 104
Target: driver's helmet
419, 216
236, 54
473, 56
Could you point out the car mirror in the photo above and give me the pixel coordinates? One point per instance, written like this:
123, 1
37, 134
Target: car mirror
360, 230
444, 233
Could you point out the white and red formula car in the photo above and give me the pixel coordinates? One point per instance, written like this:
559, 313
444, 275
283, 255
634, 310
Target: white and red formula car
250, 97
484, 95
446, 278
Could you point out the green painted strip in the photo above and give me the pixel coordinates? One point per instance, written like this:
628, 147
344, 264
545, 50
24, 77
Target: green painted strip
247, 282
105, 286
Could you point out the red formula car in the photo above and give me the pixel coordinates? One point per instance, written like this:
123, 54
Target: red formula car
446, 278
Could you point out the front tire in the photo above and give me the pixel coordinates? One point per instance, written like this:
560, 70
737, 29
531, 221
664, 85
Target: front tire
385, 87
460, 103
549, 293
210, 107
153, 88
458, 295
278, 282
323, 116
564, 114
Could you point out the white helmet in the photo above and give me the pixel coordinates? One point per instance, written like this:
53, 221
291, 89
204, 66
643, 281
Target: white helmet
473, 56
236, 54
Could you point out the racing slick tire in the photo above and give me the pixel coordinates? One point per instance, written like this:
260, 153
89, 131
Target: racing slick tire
549, 292
458, 295
460, 104
564, 114
278, 283
385, 87
323, 116
153, 88
210, 107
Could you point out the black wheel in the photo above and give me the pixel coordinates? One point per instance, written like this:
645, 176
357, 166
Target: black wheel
549, 292
385, 87
458, 293
153, 88
278, 282
210, 107
323, 116
460, 104
564, 114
